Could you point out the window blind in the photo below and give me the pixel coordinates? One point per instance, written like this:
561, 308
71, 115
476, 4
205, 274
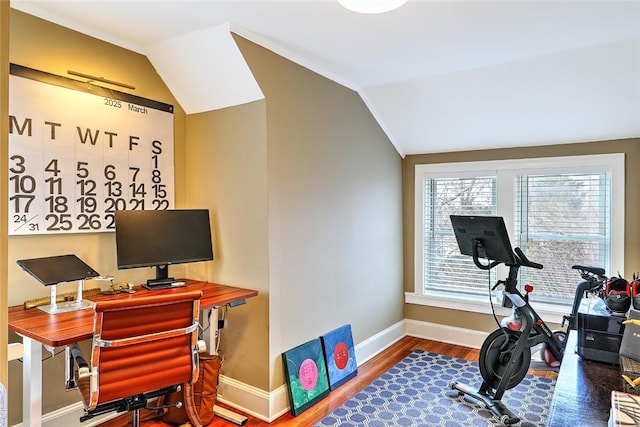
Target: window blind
562, 220
444, 267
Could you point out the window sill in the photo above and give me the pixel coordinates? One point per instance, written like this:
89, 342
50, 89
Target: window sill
550, 313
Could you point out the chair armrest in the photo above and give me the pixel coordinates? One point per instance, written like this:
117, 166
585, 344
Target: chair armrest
79, 359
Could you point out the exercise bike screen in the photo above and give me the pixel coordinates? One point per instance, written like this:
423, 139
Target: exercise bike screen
488, 232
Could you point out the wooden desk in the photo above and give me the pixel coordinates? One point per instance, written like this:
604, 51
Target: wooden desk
38, 327
582, 396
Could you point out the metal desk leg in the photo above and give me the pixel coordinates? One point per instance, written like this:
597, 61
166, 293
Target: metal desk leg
213, 339
32, 383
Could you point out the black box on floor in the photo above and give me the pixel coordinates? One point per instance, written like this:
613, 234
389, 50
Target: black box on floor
599, 334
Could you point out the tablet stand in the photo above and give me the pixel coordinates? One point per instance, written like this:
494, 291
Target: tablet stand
51, 271
65, 306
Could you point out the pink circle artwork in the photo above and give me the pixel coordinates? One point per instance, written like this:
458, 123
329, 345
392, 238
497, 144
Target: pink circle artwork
308, 374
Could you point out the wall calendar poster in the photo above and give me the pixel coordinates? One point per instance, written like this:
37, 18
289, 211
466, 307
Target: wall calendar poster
78, 152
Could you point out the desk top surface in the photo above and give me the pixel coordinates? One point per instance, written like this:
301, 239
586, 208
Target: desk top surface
582, 395
64, 328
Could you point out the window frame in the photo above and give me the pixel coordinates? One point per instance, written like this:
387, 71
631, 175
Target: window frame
505, 171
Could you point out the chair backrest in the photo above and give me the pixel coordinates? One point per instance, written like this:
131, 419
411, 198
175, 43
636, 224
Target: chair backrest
142, 344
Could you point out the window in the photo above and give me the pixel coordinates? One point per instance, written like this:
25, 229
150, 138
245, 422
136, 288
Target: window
562, 220
559, 211
442, 258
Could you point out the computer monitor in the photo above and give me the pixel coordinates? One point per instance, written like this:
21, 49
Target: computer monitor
159, 238
487, 233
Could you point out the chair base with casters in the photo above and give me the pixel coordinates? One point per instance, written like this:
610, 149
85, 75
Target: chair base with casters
142, 348
132, 404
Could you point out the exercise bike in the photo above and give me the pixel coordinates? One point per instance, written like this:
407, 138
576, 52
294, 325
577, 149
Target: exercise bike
593, 283
505, 355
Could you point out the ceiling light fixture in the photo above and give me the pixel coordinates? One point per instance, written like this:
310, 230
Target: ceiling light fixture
371, 6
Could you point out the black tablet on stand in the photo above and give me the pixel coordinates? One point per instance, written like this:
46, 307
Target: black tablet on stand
51, 271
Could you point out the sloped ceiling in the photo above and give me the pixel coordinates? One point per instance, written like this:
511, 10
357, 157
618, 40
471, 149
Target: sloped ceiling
210, 58
437, 75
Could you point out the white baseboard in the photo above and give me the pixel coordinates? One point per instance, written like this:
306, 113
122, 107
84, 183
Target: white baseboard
379, 342
15, 351
268, 406
251, 400
70, 416
444, 333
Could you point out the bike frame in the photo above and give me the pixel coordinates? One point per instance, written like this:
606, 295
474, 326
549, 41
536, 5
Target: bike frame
540, 333
534, 332
592, 283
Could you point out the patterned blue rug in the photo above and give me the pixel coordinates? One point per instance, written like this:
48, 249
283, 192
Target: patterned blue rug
416, 392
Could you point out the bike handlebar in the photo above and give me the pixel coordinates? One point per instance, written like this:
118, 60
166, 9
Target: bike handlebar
525, 261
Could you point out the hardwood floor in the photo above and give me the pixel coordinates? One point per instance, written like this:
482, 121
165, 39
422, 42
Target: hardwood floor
367, 372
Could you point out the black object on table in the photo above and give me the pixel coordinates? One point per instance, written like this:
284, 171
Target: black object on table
582, 396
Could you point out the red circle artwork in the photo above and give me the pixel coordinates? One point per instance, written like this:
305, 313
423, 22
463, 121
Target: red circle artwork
341, 355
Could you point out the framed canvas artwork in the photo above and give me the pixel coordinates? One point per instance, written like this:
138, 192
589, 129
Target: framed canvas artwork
339, 355
306, 375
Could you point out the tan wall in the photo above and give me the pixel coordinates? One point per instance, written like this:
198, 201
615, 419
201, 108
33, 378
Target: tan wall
4, 160
334, 209
48, 47
306, 195
631, 148
227, 173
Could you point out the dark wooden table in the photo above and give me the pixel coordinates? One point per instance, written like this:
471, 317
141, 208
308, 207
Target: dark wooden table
582, 396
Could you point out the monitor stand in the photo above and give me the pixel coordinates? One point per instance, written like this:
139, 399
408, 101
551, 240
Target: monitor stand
161, 283
66, 306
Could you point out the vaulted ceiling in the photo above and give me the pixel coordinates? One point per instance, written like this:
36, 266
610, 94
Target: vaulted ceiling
438, 75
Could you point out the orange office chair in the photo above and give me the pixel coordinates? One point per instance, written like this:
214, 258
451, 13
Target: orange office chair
143, 347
